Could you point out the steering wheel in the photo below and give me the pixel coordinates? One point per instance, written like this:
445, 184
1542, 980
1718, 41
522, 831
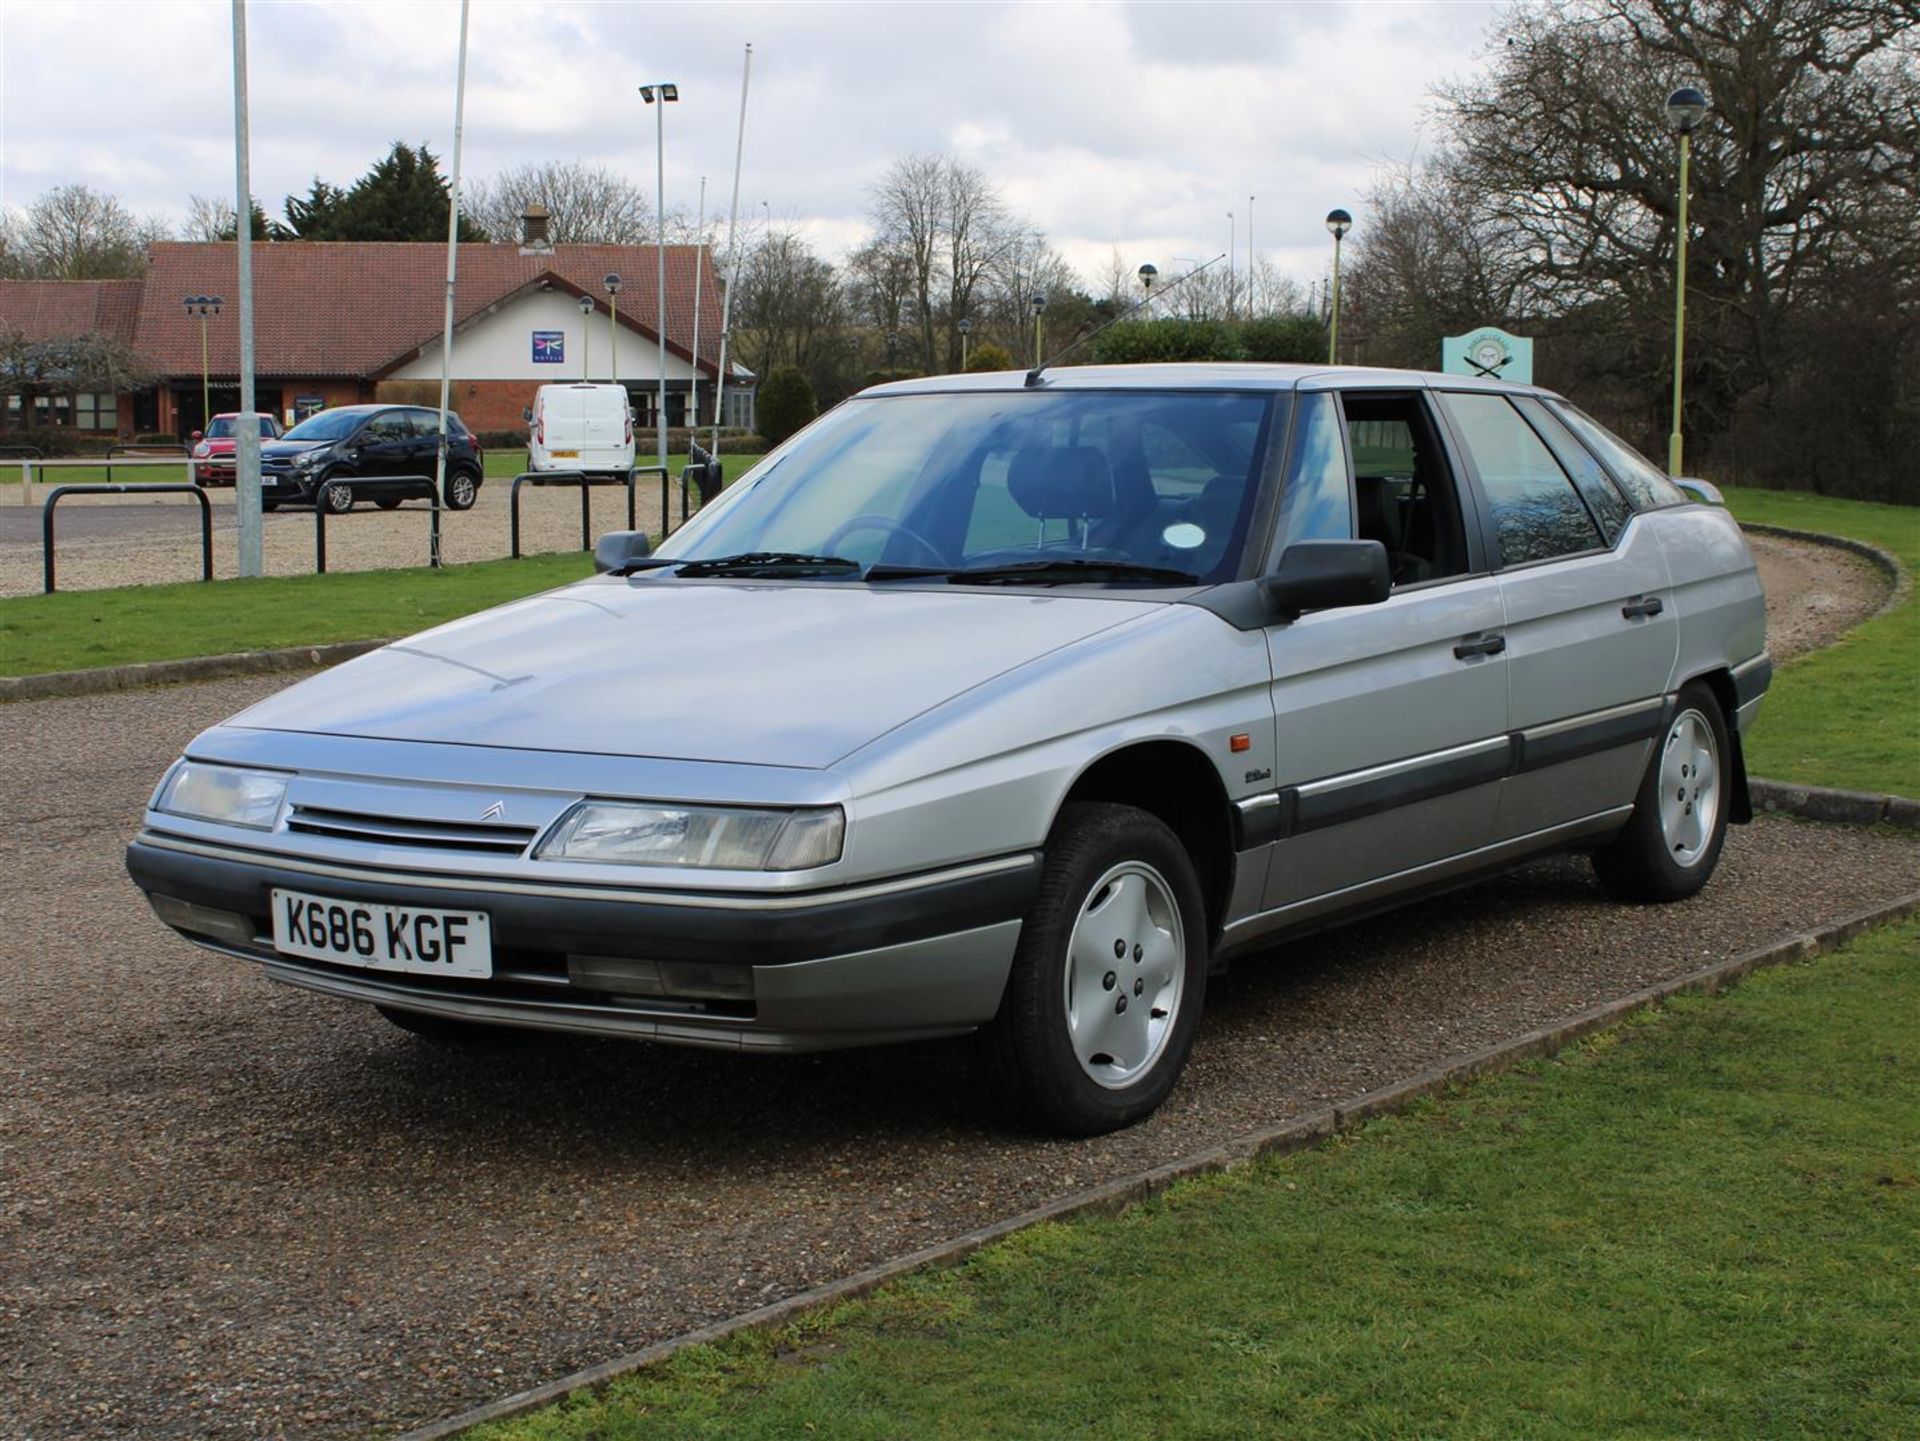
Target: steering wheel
885, 523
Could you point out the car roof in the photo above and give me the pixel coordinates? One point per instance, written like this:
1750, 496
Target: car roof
1200, 376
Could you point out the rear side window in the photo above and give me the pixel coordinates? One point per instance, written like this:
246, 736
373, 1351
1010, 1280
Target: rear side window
1643, 481
1609, 507
1317, 503
1537, 513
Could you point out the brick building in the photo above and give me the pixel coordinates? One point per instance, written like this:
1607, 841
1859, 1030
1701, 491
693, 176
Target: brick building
336, 323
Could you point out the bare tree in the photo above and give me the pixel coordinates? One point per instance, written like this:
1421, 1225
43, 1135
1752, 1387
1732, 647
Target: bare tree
74, 233
586, 204
909, 214
789, 302
1807, 166
65, 366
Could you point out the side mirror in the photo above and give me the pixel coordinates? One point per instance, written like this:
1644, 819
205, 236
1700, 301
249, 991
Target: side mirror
1328, 574
1700, 489
618, 549
526, 413
199, 435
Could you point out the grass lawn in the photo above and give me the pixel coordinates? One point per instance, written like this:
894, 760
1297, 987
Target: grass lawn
1848, 715
1705, 1223
75, 630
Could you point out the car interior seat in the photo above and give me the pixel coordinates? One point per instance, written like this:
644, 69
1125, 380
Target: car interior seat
1069, 482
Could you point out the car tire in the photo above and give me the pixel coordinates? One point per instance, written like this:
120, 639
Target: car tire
387, 502
268, 507
1672, 842
462, 491
446, 1030
335, 496
1094, 1028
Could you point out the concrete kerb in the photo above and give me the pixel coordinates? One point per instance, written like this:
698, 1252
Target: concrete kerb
1113, 1197
51, 685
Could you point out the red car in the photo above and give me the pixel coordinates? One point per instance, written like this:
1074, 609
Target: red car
213, 448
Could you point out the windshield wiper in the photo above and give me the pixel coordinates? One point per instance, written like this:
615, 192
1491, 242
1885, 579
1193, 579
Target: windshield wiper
766, 562
1059, 570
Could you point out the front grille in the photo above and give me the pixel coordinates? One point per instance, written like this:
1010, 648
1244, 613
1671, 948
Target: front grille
404, 831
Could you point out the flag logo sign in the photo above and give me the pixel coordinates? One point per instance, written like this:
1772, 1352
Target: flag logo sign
549, 347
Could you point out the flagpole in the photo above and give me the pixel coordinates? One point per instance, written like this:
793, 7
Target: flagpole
246, 458
733, 253
453, 267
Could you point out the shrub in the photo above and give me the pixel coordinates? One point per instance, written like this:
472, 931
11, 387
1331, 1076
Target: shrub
1145, 342
1298, 338
988, 356
786, 403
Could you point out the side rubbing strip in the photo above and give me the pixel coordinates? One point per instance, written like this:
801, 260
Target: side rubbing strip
1751, 680
1263, 819
1339, 799
1564, 741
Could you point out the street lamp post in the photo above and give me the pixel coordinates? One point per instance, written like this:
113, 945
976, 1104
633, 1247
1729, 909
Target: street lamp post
1148, 273
1253, 293
586, 337
611, 284
1233, 247
1039, 303
203, 306
1686, 107
965, 327
1338, 224
664, 92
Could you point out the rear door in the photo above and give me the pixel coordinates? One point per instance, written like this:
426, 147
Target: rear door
566, 425
1391, 718
1591, 632
605, 434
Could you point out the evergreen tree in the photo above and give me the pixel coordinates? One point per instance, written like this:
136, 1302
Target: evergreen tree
402, 198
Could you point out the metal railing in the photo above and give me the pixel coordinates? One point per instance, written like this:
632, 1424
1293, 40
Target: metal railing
391, 487
586, 484
60, 492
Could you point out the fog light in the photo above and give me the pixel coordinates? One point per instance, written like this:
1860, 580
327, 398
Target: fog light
667, 980
235, 930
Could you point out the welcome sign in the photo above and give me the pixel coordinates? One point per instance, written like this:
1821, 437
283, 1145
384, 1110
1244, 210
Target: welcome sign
1488, 351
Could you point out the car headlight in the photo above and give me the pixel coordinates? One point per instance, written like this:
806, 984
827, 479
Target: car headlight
227, 794
308, 459
711, 837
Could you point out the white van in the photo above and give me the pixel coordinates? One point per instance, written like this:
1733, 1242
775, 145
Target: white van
581, 427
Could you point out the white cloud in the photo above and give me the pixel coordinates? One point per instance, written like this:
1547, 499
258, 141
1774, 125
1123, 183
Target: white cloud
1136, 126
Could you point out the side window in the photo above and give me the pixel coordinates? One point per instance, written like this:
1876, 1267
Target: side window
388, 425
1536, 511
1589, 477
1317, 503
425, 424
1404, 494
1643, 481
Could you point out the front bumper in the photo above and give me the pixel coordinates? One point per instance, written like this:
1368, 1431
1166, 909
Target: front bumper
912, 958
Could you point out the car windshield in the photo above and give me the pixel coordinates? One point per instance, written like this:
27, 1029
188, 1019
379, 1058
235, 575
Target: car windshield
327, 425
1101, 482
222, 427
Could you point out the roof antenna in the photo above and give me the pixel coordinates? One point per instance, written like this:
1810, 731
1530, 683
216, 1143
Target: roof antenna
1033, 376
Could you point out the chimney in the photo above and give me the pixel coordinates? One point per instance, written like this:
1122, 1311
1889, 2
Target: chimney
533, 221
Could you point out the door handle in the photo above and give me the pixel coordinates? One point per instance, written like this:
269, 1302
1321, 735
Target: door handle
1640, 609
1479, 645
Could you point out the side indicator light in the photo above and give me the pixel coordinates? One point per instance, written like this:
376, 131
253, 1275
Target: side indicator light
1239, 743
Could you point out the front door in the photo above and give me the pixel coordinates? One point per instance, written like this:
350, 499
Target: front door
1391, 735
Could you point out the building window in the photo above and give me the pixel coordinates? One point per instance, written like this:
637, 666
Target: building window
97, 411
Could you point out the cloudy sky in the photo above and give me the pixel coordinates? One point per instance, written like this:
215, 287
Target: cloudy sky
1136, 126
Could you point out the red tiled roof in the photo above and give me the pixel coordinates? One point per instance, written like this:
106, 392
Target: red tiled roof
360, 309
56, 309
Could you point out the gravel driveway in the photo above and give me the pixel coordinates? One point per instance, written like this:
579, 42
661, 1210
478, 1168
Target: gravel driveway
229, 1208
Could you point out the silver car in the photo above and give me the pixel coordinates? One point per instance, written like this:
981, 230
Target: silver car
1002, 703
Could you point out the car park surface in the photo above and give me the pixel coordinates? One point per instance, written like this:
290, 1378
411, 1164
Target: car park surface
1039, 701
232, 1208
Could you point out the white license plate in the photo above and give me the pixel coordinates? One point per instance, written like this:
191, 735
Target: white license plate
379, 937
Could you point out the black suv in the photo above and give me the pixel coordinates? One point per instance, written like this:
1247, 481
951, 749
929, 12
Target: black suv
380, 453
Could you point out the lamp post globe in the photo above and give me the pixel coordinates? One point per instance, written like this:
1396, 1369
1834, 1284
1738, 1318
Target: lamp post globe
1338, 224
1686, 108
